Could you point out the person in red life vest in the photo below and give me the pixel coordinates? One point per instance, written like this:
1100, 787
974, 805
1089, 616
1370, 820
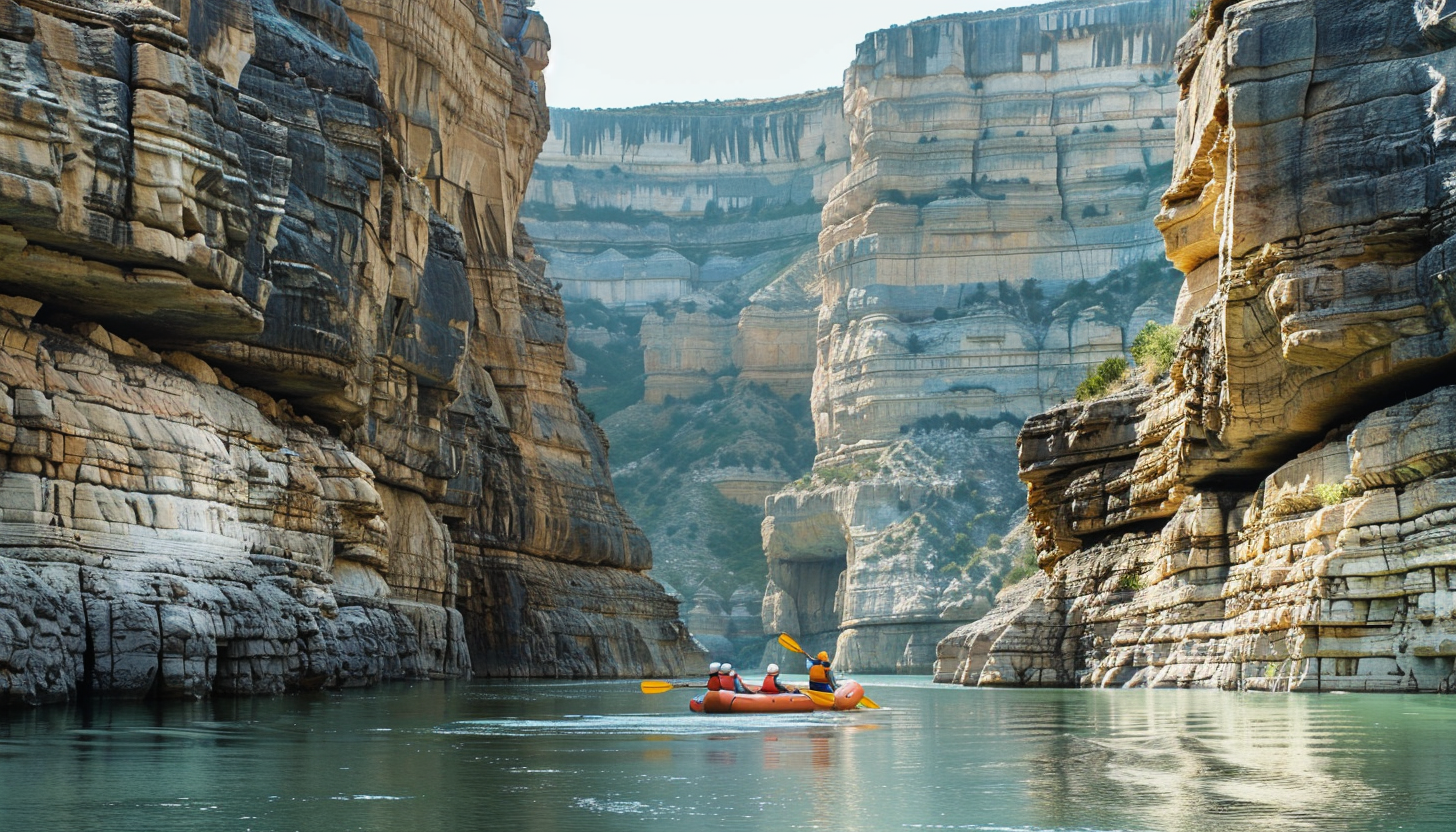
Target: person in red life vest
820, 676
730, 680
714, 682
724, 677
771, 683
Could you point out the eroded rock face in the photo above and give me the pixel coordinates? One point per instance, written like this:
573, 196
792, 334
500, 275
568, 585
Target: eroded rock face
1002, 164
1275, 515
1014, 146
283, 383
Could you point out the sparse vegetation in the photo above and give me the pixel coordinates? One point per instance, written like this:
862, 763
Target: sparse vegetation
665, 461
958, 422
1330, 494
1302, 498
1154, 348
1100, 379
1023, 568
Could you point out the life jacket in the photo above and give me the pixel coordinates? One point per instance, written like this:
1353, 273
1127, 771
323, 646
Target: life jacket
770, 685
715, 682
737, 685
819, 673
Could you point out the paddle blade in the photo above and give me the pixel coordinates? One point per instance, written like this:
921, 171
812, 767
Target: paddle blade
868, 702
652, 686
822, 699
790, 645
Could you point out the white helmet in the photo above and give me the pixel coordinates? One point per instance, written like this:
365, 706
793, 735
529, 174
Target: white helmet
725, 668
772, 669
713, 668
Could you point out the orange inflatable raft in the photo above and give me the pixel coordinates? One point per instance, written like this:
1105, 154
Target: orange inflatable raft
846, 698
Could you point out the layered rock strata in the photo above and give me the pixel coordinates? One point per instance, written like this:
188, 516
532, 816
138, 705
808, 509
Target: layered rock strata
647, 204
1276, 515
282, 384
1002, 164
676, 201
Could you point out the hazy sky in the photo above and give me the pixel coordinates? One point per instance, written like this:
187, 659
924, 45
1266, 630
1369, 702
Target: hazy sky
631, 52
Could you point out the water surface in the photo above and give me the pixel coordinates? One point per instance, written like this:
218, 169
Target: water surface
602, 756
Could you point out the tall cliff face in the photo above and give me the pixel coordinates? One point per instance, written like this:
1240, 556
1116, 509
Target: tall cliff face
993, 240
1278, 513
647, 204
654, 204
684, 238
281, 393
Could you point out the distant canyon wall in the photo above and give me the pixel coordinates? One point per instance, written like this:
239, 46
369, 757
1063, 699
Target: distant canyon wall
1003, 166
1278, 514
658, 204
281, 388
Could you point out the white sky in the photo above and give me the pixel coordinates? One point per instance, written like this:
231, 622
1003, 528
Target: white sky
623, 53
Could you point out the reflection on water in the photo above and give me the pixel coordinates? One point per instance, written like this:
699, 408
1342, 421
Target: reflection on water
602, 756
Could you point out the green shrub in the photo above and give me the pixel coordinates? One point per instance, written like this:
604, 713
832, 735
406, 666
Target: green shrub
1101, 378
1330, 494
1024, 567
1131, 582
914, 345
1154, 347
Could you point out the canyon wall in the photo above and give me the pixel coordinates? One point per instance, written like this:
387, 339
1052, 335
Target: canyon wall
282, 401
691, 202
684, 240
1278, 513
993, 240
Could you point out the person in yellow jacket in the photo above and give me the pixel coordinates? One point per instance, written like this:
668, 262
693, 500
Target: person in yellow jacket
820, 676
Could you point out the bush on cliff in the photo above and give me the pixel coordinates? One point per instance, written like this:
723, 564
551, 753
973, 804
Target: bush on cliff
1153, 349
1100, 379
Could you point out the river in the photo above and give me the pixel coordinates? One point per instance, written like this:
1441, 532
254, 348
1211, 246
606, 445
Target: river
602, 756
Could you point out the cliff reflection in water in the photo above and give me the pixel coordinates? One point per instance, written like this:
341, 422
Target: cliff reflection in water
602, 756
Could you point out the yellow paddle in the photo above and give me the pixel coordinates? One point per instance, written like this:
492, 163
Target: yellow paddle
653, 686
822, 699
789, 644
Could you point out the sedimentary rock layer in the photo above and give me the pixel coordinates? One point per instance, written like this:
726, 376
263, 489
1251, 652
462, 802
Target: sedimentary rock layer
282, 388
664, 203
646, 204
1001, 164
1276, 514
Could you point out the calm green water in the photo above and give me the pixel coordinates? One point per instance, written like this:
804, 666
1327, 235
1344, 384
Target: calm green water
602, 756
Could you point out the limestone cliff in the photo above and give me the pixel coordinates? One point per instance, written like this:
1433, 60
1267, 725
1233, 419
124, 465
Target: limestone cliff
656, 204
993, 240
281, 388
684, 238
1278, 513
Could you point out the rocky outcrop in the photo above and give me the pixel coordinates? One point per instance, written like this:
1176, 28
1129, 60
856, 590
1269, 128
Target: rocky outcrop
1275, 515
993, 240
281, 391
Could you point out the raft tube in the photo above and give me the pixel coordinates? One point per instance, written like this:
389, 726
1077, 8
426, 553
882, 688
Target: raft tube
846, 698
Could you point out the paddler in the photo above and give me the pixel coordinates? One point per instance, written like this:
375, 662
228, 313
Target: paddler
714, 683
771, 683
821, 678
